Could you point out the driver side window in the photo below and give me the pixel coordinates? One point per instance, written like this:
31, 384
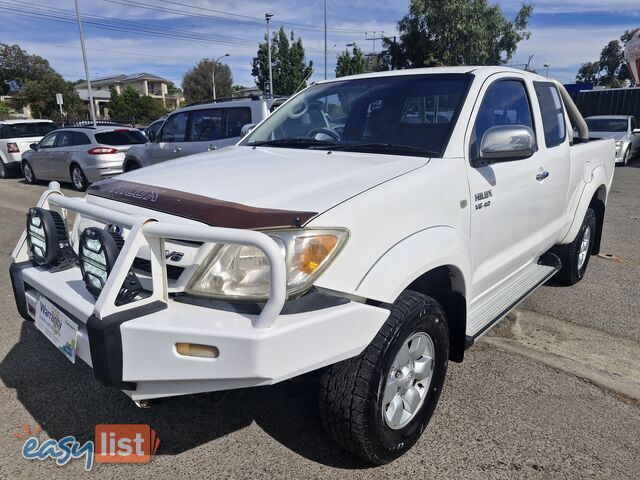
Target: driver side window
504, 103
174, 128
48, 141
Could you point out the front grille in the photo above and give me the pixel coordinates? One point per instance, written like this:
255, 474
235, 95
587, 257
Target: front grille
173, 272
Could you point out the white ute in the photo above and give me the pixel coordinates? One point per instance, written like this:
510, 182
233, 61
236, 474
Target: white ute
372, 227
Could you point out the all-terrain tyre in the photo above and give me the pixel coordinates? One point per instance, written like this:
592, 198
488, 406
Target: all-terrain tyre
575, 256
377, 405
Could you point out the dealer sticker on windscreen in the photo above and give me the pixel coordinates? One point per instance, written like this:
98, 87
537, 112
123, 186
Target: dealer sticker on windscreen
57, 327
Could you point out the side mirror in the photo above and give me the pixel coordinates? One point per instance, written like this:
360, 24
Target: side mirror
33, 146
636, 130
503, 143
246, 128
151, 135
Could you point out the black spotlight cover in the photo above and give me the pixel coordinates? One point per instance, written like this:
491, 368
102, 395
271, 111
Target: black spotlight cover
48, 240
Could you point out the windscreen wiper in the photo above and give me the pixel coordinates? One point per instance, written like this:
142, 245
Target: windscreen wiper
299, 142
382, 148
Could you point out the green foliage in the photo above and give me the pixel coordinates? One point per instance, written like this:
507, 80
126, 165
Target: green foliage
197, 83
17, 67
456, 32
173, 90
130, 105
611, 69
5, 110
350, 63
30, 80
290, 71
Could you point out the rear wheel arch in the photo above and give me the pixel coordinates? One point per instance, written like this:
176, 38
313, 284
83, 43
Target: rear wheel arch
131, 163
446, 285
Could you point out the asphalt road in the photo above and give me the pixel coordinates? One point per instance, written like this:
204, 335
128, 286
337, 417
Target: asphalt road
501, 415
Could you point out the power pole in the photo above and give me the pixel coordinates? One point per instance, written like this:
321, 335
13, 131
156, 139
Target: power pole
92, 107
267, 17
325, 39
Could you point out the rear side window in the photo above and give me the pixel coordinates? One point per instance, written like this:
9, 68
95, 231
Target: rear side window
236, 118
552, 112
29, 129
206, 125
80, 138
121, 137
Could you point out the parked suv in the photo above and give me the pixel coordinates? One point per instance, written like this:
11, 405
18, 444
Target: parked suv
372, 227
624, 129
82, 155
198, 128
15, 138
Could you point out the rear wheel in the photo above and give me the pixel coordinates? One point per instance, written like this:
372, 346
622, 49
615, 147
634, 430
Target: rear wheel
78, 179
29, 176
575, 256
377, 404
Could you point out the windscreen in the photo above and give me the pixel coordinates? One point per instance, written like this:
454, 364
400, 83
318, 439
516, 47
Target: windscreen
30, 129
121, 137
607, 124
402, 115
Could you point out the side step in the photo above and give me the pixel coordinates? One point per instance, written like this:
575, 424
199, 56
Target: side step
490, 310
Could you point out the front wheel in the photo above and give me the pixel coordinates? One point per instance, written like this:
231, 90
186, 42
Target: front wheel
29, 176
625, 159
4, 171
377, 404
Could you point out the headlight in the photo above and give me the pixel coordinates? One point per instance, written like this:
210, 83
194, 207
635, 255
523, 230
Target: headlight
98, 251
242, 272
48, 240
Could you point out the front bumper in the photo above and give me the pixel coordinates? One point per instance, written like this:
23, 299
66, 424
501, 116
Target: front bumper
134, 348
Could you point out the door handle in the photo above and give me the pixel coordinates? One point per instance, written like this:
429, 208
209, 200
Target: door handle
212, 147
542, 176
177, 149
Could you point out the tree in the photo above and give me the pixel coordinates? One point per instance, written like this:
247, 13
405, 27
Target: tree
173, 90
17, 67
589, 72
290, 70
197, 83
611, 69
130, 105
456, 32
5, 110
350, 63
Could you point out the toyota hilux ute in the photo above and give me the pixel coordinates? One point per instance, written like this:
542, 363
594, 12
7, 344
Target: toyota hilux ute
372, 228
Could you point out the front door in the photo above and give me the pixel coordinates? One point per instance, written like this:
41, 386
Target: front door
508, 197
39, 160
171, 139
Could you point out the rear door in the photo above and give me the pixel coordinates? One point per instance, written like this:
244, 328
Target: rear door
58, 161
553, 144
508, 199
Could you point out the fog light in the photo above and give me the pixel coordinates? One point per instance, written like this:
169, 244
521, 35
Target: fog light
48, 240
98, 252
197, 350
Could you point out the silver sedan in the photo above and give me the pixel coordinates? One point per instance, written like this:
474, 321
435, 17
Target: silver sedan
624, 129
82, 155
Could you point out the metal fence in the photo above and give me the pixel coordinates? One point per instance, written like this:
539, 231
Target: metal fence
615, 101
79, 121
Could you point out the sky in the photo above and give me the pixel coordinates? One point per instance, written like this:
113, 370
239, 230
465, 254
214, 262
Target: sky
564, 33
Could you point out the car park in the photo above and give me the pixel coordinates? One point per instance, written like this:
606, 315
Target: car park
81, 155
373, 227
624, 129
198, 128
15, 138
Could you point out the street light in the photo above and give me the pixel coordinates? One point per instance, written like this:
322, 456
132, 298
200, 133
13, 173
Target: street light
546, 65
267, 17
213, 73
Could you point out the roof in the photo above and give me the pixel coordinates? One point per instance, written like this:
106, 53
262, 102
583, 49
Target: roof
484, 71
122, 78
83, 93
98, 128
31, 120
609, 117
